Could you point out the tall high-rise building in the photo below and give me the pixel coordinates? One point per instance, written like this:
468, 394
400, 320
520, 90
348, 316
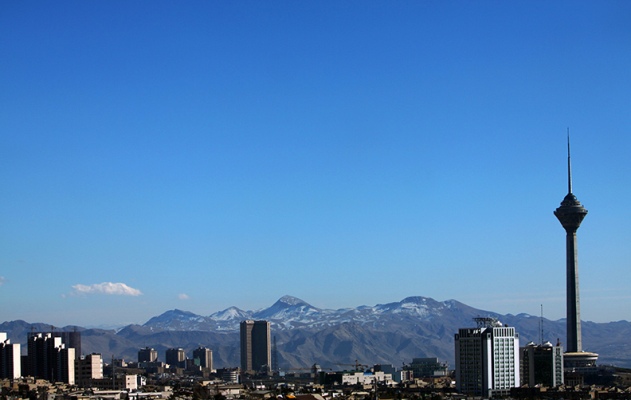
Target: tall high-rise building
487, 358
40, 350
10, 360
48, 358
175, 357
205, 357
65, 371
570, 214
147, 355
541, 365
256, 348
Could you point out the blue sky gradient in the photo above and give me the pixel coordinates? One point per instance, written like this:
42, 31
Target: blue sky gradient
199, 155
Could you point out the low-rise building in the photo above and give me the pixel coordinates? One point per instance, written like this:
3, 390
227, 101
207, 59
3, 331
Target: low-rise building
366, 378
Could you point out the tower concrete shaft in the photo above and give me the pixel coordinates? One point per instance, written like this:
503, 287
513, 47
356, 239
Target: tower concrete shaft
570, 214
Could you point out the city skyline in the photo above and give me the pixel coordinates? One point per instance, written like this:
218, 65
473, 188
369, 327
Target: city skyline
200, 156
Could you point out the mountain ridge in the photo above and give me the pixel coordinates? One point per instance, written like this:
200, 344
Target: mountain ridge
390, 333
290, 312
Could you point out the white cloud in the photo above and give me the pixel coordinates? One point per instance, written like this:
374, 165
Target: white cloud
2, 280
183, 296
119, 289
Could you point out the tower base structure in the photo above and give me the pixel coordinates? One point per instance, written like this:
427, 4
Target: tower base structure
579, 360
578, 364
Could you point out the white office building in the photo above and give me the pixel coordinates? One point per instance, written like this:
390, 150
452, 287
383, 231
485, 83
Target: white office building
487, 358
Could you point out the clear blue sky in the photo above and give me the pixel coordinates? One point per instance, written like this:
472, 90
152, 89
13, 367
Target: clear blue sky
203, 154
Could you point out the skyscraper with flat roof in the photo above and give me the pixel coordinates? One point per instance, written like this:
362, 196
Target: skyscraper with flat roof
256, 348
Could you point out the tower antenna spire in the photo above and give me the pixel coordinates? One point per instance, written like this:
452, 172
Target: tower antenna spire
569, 164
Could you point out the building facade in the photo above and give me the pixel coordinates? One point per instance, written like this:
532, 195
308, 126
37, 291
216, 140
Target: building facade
256, 349
487, 358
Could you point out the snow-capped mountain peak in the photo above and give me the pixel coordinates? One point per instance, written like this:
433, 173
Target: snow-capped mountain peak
175, 320
230, 313
291, 300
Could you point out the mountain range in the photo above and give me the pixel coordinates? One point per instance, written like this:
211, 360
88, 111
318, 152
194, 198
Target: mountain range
391, 333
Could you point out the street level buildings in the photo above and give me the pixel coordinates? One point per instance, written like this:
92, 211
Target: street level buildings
255, 343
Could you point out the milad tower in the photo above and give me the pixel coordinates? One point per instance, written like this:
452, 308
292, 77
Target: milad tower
571, 214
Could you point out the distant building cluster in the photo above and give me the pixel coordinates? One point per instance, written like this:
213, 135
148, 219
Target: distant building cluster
176, 360
53, 357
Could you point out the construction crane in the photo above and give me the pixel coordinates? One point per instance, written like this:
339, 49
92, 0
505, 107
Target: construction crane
314, 368
357, 365
298, 369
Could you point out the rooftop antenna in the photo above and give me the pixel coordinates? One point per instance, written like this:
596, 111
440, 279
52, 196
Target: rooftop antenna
569, 164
